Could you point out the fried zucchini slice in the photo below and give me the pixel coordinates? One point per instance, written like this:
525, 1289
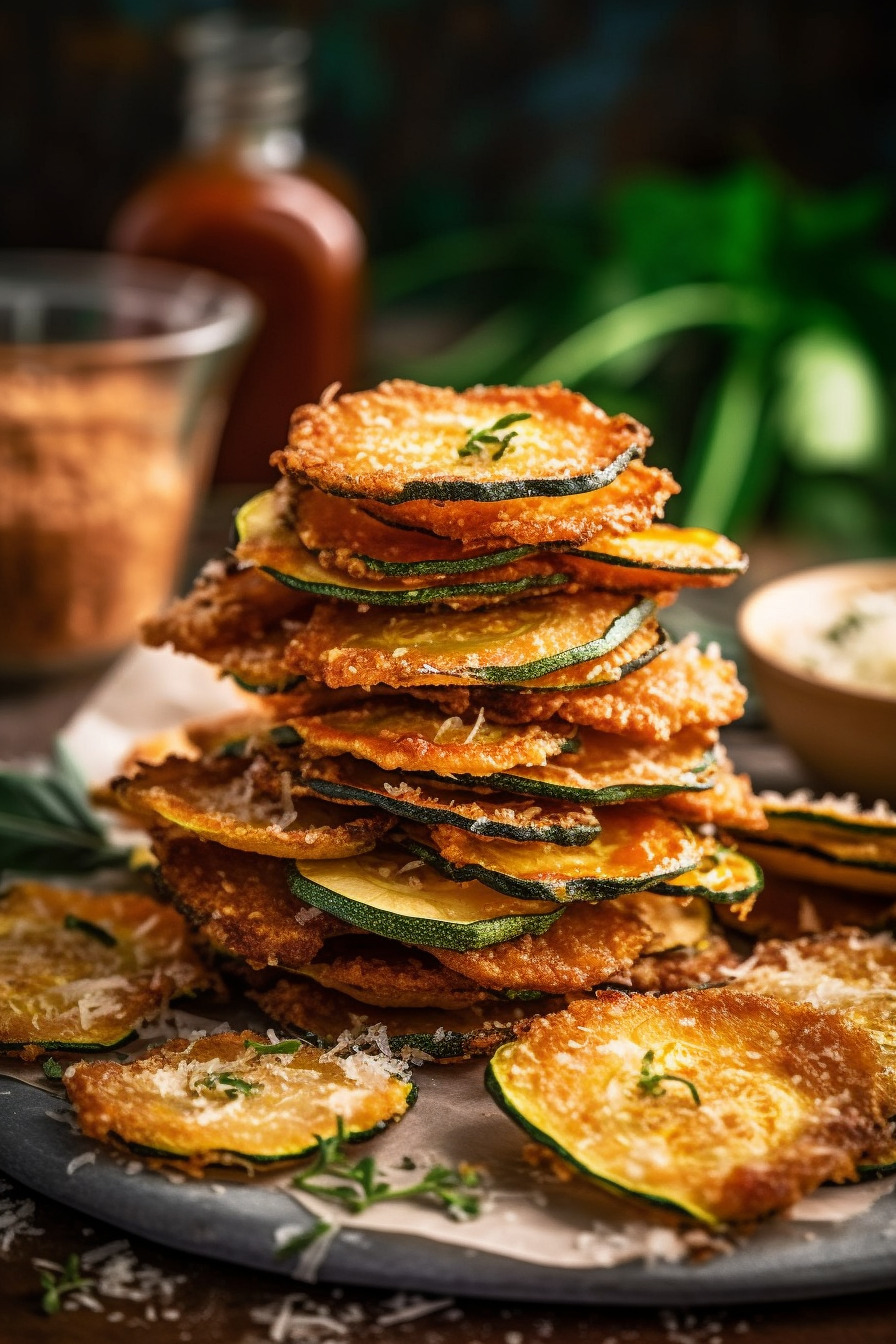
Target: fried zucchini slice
673, 924
696, 557
781, 1098
241, 904
829, 840
786, 909
729, 802
220, 800
435, 802
309, 1011
847, 971
267, 544
385, 893
406, 441
514, 643
80, 971
604, 769
397, 735
219, 1101
628, 504
638, 845
681, 688
587, 945
384, 974
723, 877
683, 967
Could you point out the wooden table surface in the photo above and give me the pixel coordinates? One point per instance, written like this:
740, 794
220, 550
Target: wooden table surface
215, 1302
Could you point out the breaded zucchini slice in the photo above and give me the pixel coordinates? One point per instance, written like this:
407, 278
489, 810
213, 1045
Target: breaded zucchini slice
697, 557
411, 736
829, 840
729, 803
219, 1100
628, 504
227, 800
80, 971
508, 644
385, 974
723, 876
405, 441
435, 802
719, 1105
637, 847
264, 541
390, 894
309, 1011
241, 904
673, 924
788, 909
602, 768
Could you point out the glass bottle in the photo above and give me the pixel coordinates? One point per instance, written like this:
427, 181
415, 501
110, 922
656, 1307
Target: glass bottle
241, 200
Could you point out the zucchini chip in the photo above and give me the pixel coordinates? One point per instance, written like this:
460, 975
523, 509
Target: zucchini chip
682, 688
534, 638
406, 441
383, 973
673, 924
606, 769
587, 945
638, 845
230, 800
241, 904
696, 557
322, 1016
80, 971
723, 877
723, 1106
829, 840
786, 909
218, 1100
435, 802
684, 967
849, 972
628, 504
385, 893
729, 802
397, 735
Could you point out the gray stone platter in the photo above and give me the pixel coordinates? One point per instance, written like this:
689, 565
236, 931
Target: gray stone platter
236, 1223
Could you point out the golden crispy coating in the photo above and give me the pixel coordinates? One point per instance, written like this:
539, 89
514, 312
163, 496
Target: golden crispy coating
690, 557
400, 735
404, 440
80, 970
785, 909
829, 840
787, 1097
224, 799
628, 504
730, 802
679, 689
241, 903
383, 973
342, 647
217, 1100
604, 761
226, 609
811, 866
585, 946
684, 968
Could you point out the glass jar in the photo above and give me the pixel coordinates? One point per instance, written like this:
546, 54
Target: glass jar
114, 381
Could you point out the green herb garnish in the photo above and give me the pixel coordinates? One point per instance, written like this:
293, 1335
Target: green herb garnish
47, 824
357, 1185
92, 930
302, 1240
53, 1069
277, 1047
846, 626
230, 1084
651, 1079
55, 1286
478, 438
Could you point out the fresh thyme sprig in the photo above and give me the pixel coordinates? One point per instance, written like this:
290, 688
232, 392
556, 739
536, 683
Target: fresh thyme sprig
230, 1084
92, 930
478, 438
651, 1079
356, 1185
55, 1286
277, 1047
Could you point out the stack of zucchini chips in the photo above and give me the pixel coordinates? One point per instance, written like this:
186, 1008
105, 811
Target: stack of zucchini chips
476, 804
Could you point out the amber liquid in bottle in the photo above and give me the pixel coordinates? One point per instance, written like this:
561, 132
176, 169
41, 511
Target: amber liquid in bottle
238, 202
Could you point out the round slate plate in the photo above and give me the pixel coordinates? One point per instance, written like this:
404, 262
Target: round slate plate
237, 1222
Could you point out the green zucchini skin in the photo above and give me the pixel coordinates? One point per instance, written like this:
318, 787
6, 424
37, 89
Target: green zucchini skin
623, 562
435, 816
580, 889
493, 492
775, 842
421, 931
717, 897
418, 597
494, 1089
625, 670
854, 825
266, 688
402, 569
612, 793
69, 1047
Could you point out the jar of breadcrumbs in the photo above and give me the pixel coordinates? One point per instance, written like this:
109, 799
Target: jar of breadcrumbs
114, 380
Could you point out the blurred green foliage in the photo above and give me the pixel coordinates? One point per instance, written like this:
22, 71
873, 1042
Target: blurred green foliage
749, 323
